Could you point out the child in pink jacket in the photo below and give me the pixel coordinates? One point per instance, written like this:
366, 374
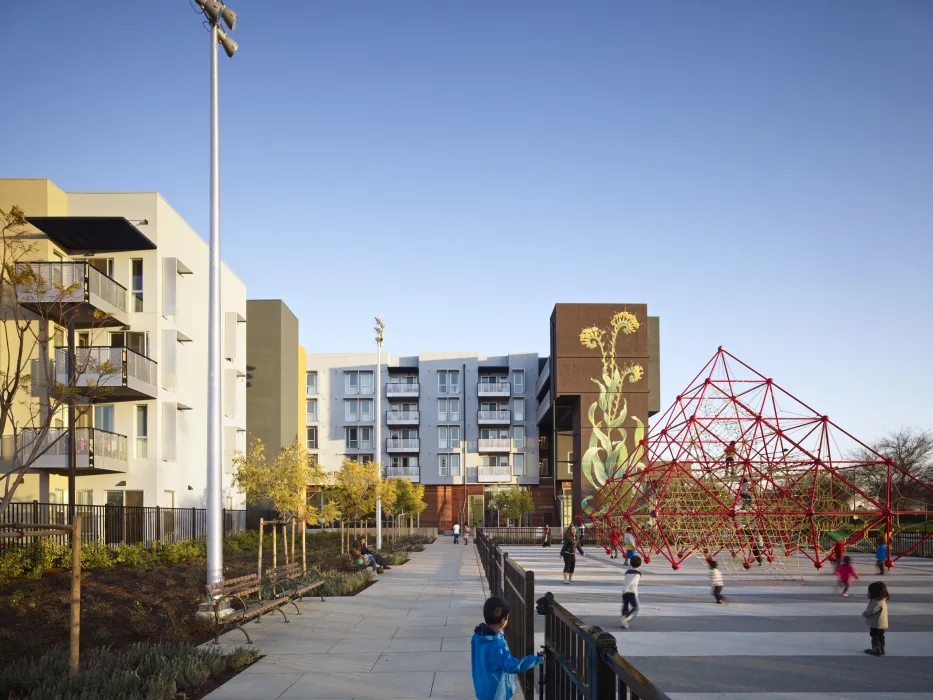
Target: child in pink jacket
845, 572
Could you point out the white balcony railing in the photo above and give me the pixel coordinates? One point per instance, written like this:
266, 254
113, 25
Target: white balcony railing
403, 389
494, 389
142, 447
413, 473
106, 445
494, 416
68, 282
401, 417
403, 444
494, 444
486, 474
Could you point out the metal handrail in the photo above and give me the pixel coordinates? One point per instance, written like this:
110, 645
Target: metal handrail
494, 415
403, 443
81, 274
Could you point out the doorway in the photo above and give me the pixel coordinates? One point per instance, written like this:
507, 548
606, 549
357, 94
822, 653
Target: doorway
476, 512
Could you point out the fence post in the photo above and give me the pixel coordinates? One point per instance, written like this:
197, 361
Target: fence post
223, 514
75, 595
604, 678
158, 523
194, 523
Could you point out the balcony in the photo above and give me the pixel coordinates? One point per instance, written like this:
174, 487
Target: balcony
58, 289
494, 445
544, 376
501, 417
493, 475
407, 390
494, 389
98, 451
413, 474
117, 374
403, 445
403, 417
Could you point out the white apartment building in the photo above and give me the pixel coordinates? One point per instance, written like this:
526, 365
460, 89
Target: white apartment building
447, 419
145, 441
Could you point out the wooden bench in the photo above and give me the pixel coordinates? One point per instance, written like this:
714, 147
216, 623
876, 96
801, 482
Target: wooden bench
288, 583
247, 591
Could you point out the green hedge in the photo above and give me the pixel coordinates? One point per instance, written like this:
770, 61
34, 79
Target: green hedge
142, 671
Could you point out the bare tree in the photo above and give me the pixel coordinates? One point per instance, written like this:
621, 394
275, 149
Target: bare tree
911, 451
39, 378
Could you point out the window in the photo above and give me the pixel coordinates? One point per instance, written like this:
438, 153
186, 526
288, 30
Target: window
366, 438
311, 437
448, 381
518, 464
518, 436
448, 437
103, 418
168, 499
311, 410
518, 406
366, 410
136, 279
351, 381
311, 379
404, 434
495, 460
351, 410
366, 382
448, 465
84, 498
142, 431
403, 462
353, 438
312, 459
518, 381
359, 438
448, 409
493, 433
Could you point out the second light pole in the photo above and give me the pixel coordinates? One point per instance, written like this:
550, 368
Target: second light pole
380, 338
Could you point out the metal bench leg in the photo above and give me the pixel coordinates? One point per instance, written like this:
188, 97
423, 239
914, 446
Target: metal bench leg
283, 613
248, 640
292, 601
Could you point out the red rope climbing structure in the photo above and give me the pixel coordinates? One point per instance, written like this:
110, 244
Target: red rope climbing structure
738, 466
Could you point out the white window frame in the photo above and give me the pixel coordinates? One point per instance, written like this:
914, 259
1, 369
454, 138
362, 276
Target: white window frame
518, 442
518, 380
351, 440
451, 378
518, 464
448, 437
453, 415
351, 383
309, 431
349, 404
367, 416
311, 410
366, 443
448, 464
363, 389
515, 410
442, 409
311, 387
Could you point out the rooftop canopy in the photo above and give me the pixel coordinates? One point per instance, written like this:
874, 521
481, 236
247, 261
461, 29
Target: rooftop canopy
80, 235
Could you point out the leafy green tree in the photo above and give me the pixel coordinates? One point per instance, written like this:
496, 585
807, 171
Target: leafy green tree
513, 504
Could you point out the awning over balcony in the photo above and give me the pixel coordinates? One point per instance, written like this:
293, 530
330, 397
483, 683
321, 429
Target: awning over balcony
80, 235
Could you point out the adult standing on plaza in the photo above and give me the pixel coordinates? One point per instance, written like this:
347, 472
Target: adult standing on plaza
568, 552
546, 542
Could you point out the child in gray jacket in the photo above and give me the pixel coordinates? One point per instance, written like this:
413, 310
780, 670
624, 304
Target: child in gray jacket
876, 616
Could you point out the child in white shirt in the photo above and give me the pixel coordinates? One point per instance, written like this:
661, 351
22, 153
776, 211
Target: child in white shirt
630, 605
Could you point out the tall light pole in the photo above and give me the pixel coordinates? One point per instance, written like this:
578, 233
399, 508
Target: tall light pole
215, 11
380, 337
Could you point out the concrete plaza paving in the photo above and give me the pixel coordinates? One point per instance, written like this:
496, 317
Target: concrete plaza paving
780, 641
407, 636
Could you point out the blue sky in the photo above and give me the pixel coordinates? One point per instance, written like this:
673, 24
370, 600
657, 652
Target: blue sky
761, 174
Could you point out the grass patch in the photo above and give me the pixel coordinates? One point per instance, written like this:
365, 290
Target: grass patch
153, 672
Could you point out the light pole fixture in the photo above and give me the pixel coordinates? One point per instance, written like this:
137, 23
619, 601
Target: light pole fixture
380, 338
215, 11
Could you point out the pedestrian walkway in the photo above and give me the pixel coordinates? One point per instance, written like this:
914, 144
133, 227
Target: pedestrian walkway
773, 641
406, 636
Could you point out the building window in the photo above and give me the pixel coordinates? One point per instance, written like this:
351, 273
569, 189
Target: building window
311, 379
351, 381
351, 410
403, 434
366, 410
495, 460
403, 462
518, 464
518, 406
142, 432
353, 438
448, 381
448, 464
410, 379
518, 437
448, 409
366, 383
311, 410
518, 381
493, 433
312, 438
136, 278
366, 438
84, 498
448, 437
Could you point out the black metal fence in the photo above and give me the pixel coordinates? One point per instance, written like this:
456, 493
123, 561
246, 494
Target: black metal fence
516, 535
517, 586
112, 525
915, 544
583, 663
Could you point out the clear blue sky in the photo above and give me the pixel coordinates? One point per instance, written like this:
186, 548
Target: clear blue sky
761, 174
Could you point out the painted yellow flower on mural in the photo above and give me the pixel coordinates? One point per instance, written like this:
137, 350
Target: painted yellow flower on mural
625, 322
635, 372
590, 337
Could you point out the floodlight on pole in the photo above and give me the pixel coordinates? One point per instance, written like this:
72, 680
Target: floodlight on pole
215, 12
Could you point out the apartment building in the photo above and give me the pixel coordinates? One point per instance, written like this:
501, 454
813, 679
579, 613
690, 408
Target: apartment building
132, 256
467, 425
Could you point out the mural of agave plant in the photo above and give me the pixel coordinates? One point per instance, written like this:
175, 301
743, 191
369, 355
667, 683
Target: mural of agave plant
607, 456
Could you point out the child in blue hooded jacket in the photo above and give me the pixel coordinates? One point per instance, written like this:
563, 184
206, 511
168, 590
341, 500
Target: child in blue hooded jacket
493, 665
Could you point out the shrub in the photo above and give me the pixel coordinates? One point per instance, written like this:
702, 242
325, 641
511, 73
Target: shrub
394, 558
154, 672
339, 583
14, 563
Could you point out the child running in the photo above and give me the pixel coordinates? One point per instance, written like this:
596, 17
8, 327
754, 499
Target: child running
845, 572
876, 616
493, 665
716, 582
630, 603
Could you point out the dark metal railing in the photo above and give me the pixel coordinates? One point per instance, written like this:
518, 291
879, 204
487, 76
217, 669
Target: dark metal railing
583, 663
516, 535
112, 525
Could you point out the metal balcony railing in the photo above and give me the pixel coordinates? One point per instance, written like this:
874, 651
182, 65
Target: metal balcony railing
55, 443
494, 444
68, 282
400, 389
497, 473
105, 365
494, 416
402, 417
494, 389
403, 443
413, 473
